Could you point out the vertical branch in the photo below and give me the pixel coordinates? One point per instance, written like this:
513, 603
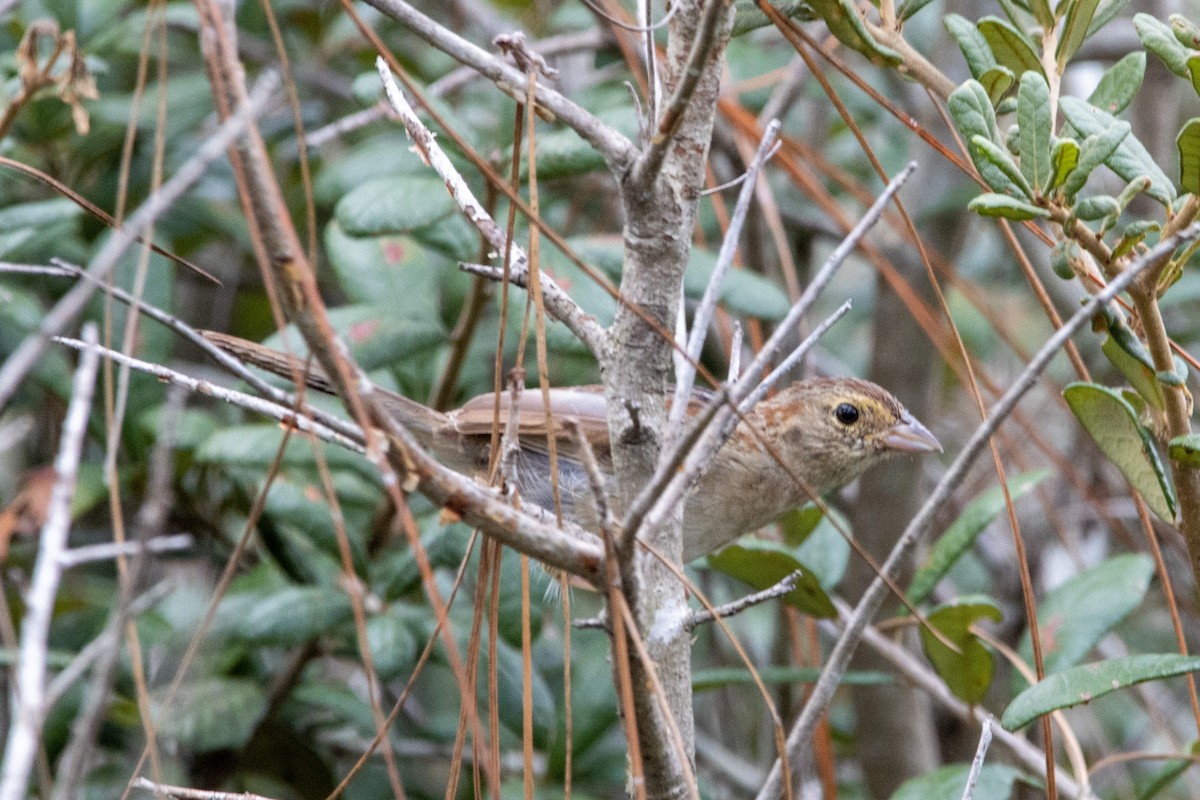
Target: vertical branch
31, 708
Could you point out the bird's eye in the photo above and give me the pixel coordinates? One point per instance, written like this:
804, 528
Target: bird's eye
846, 414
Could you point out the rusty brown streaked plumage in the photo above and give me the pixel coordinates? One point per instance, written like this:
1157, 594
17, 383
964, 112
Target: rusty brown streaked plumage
827, 430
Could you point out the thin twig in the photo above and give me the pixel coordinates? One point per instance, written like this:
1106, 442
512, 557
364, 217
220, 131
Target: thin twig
985, 739
839, 658
789, 362
685, 374
184, 793
29, 351
281, 413
738, 606
618, 151
558, 302
110, 550
30, 711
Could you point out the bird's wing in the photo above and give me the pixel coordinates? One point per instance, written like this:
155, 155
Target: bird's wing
584, 404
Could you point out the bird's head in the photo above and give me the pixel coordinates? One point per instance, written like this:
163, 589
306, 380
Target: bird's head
834, 429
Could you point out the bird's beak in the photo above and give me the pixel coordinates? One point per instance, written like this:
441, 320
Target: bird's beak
910, 436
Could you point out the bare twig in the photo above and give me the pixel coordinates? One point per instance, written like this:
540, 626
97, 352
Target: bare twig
31, 709
985, 739
616, 149
741, 604
839, 658
110, 550
27, 353
184, 793
558, 302
685, 373
351, 438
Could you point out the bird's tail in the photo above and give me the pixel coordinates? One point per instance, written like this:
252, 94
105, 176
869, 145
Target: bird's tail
420, 420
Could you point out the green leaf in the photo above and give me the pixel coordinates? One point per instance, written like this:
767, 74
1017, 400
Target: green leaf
972, 112
997, 81
967, 673
1130, 160
393, 644
749, 17
1186, 32
1085, 683
1074, 30
1094, 151
1011, 47
1074, 617
908, 8
1042, 13
744, 292
1133, 234
974, 47
985, 149
211, 713
846, 24
1097, 207
1188, 143
995, 782
254, 446
1112, 423
1064, 157
1127, 353
378, 335
704, 680
1001, 205
1063, 258
1193, 68
1185, 450
962, 533
563, 154
763, 564
393, 205
1158, 39
1036, 126
287, 616
1119, 83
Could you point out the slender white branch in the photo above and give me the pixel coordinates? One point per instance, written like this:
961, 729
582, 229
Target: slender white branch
30, 712
29, 351
985, 739
839, 659
685, 373
558, 302
302, 422
618, 151
110, 550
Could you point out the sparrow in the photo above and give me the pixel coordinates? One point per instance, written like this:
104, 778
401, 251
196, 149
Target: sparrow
828, 431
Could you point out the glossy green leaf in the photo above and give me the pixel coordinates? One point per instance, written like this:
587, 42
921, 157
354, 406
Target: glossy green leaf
967, 673
208, 714
1188, 144
704, 680
970, 41
1131, 159
1119, 83
393, 271
1063, 158
908, 8
393, 205
763, 564
1193, 68
985, 149
1157, 37
1085, 683
1185, 450
1113, 425
1133, 234
995, 782
1075, 616
393, 644
1074, 30
1094, 151
1011, 47
287, 616
1036, 127
825, 551
1001, 205
962, 533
